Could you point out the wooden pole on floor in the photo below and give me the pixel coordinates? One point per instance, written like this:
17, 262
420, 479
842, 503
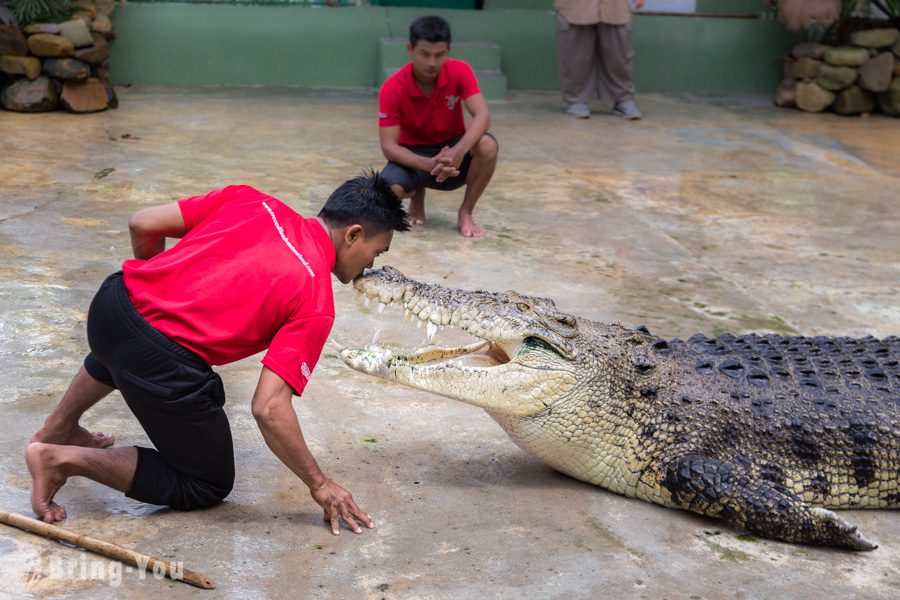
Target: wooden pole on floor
141, 561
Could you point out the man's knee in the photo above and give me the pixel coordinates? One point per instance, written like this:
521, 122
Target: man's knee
400, 192
199, 493
487, 147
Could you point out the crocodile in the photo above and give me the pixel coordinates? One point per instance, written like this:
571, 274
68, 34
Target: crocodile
768, 433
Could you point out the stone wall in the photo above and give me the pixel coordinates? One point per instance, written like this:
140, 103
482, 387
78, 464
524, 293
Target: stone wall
855, 79
45, 66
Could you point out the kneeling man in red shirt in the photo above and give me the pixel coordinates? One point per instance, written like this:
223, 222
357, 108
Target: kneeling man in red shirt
422, 130
249, 274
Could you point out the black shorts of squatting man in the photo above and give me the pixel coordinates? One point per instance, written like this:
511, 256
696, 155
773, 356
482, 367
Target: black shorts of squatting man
412, 180
176, 397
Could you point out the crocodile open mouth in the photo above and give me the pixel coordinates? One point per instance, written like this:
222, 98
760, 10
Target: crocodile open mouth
483, 353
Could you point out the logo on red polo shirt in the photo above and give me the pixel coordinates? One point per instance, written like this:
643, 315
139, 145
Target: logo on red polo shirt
451, 101
304, 368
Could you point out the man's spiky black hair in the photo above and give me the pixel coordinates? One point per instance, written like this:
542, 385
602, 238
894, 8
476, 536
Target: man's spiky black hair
367, 200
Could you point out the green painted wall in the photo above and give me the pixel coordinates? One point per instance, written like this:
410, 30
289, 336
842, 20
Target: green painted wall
290, 45
460, 4
750, 7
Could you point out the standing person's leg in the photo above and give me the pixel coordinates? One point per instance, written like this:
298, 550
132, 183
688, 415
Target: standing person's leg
481, 169
61, 426
576, 54
614, 74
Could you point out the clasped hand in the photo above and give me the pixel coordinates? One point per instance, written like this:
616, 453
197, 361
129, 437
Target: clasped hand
446, 164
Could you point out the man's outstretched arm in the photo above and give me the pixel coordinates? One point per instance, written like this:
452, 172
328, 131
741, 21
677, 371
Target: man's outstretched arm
278, 423
149, 228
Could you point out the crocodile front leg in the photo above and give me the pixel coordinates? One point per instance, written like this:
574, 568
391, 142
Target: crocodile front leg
721, 489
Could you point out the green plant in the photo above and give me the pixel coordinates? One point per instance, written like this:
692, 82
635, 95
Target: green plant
41, 11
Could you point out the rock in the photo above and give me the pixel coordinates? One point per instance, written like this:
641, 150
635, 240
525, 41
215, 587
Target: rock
105, 7
876, 74
84, 96
43, 28
7, 17
894, 93
112, 98
22, 95
96, 54
853, 101
87, 6
12, 41
786, 94
883, 100
875, 38
896, 48
896, 68
102, 25
68, 69
101, 71
836, 78
28, 66
805, 68
82, 15
812, 97
45, 44
787, 66
846, 56
77, 32
810, 50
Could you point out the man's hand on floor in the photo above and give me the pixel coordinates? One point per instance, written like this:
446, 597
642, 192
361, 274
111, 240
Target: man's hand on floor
339, 505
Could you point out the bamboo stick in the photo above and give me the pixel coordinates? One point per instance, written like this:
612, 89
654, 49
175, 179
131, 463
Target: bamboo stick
141, 561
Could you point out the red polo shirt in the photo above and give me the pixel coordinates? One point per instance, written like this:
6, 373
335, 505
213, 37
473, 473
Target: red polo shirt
250, 274
433, 119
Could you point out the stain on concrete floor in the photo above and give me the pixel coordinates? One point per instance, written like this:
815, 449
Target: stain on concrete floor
711, 215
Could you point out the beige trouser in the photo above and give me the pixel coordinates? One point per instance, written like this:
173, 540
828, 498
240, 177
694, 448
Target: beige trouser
594, 61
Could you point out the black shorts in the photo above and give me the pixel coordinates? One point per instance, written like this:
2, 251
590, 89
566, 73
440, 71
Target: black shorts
176, 397
413, 180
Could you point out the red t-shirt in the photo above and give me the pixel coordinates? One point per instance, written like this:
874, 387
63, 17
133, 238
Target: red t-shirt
250, 274
433, 119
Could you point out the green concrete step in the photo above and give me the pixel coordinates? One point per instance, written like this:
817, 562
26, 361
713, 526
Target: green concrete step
484, 58
518, 4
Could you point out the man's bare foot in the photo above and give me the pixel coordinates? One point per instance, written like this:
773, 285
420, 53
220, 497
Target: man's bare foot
73, 436
417, 209
467, 226
47, 478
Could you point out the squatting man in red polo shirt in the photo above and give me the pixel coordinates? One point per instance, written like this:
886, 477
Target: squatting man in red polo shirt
249, 274
422, 130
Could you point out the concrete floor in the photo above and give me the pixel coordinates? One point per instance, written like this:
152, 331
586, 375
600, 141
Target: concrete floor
711, 215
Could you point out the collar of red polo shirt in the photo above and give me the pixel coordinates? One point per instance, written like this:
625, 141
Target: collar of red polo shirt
413, 87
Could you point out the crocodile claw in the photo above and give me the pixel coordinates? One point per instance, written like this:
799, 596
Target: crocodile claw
844, 534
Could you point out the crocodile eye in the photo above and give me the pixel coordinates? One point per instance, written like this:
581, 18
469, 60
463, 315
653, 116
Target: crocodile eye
523, 307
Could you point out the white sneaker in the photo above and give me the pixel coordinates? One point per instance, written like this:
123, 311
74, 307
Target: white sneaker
578, 110
627, 109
